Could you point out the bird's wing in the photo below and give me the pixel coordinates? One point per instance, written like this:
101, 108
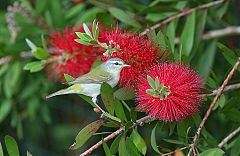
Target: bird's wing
95, 76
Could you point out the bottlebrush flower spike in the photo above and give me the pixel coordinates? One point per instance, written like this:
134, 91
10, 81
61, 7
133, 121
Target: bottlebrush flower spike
70, 57
169, 92
139, 52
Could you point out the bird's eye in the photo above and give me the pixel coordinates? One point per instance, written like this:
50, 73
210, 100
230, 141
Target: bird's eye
116, 63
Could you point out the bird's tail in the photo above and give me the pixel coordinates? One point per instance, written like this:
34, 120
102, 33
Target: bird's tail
75, 89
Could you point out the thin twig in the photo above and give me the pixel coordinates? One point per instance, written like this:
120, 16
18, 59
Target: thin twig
227, 88
232, 30
139, 122
25, 55
219, 92
184, 13
9, 58
229, 137
228, 31
172, 152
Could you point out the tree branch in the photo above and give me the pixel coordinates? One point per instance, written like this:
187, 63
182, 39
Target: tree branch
229, 137
139, 122
184, 13
219, 92
173, 152
9, 58
227, 88
231, 30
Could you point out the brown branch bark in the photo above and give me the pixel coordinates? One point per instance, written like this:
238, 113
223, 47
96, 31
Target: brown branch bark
139, 122
184, 13
229, 137
219, 92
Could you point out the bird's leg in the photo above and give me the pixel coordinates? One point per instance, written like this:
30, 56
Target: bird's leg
94, 100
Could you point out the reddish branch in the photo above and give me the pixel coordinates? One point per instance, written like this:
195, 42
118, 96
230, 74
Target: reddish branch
139, 122
183, 13
219, 92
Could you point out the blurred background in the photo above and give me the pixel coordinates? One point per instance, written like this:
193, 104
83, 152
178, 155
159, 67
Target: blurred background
48, 127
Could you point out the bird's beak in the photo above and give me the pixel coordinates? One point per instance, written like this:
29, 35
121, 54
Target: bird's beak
126, 65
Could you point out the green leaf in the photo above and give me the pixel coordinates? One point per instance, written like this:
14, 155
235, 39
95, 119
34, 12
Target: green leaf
227, 53
162, 40
40, 6
106, 149
5, 109
233, 115
138, 142
40, 54
87, 31
157, 82
131, 148
11, 80
1, 150
31, 45
221, 11
68, 77
89, 15
212, 152
109, 116
170, 33
201, 17
95, 29
34, 66
171, 128
220, 102
124, 94
206, 60
82, 42
151, 82
120, 111
187, 36
155, 17
86, 133
107, 97
123, 16
44, 43
115, 143
75, 10
56, 12
122, 147
106, 20
152, 93
153, 140
83, 36
87, 99
29, 154
11, 146
235, 148
174, 141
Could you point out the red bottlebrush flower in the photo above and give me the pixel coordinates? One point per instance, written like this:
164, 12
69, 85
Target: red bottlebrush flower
176, 97
70, 57
139, 52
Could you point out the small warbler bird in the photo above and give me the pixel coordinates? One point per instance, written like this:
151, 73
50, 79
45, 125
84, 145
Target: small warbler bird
90, 83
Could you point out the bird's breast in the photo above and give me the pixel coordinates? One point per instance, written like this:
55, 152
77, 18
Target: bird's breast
91, 89
115, 78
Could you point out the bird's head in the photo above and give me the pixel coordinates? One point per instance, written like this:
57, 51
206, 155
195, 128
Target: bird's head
115, 65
